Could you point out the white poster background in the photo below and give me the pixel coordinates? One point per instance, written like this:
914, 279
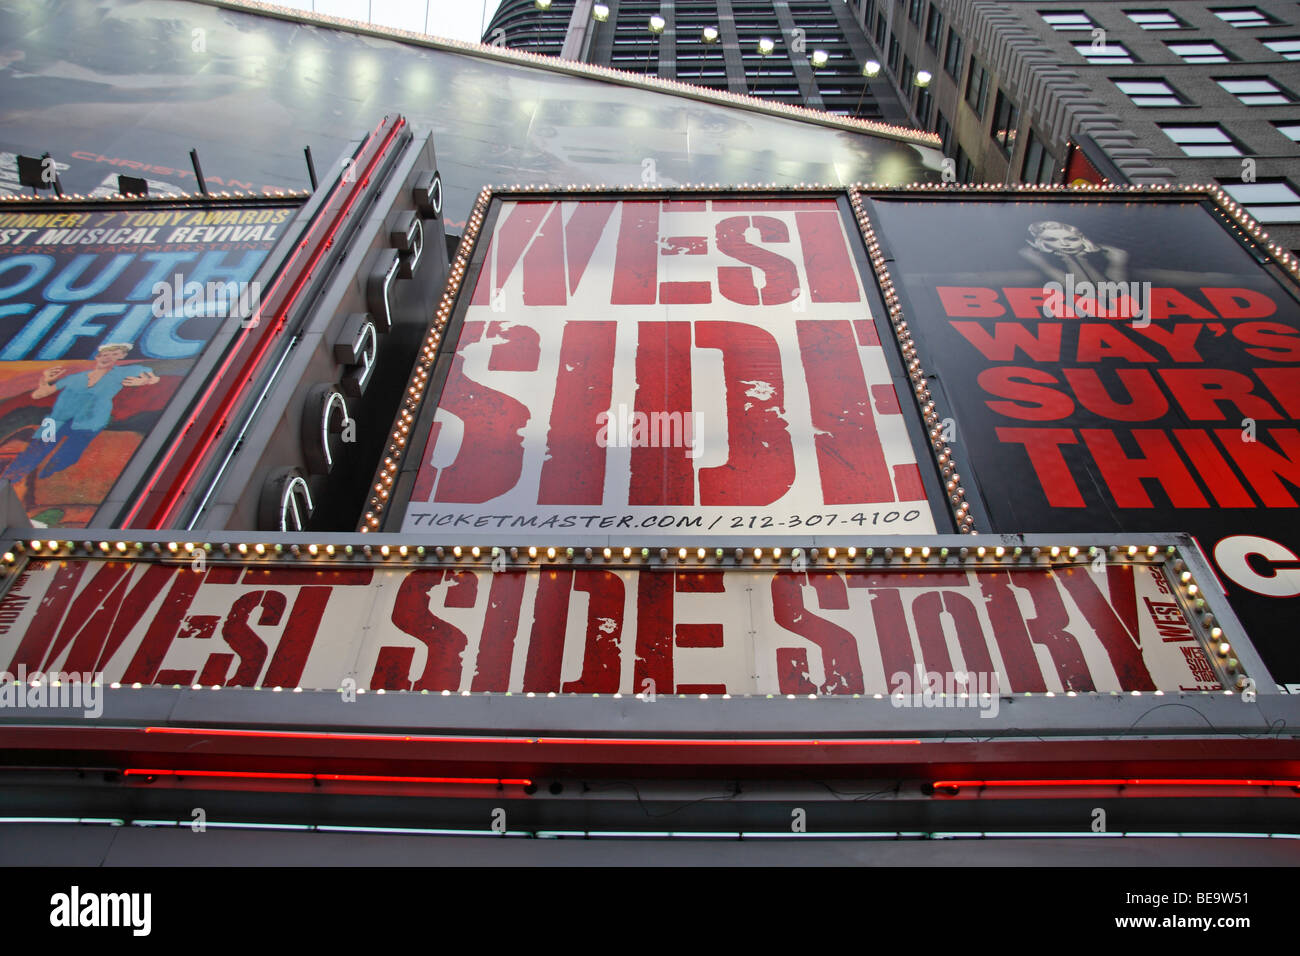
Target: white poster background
358, 622
802, 508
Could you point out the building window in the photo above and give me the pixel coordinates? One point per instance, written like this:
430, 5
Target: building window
893, 53
1287, 49
1256, 91
1201, 51
965, 169
1290, 130
1074, 20
880, 31
944, 129
1149, 93
1273, 201
1154, 19
905, 78
1039, 165
1205, 140
914, 11
977, 88
924, 101
952, 58
934, 29
1103, 53
1244, 17
1006, 117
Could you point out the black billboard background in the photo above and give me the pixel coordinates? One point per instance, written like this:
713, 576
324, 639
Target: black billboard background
977, 245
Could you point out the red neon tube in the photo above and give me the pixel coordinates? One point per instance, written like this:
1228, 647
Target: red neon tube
269, 330
1119, 782
339, 777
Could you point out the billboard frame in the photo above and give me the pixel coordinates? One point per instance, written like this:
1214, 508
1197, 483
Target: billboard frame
396, 473
1204, 605
965, 502
114, 503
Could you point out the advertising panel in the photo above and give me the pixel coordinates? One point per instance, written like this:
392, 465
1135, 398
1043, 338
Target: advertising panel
663, 367
1116, 366
1101, 625
102, 314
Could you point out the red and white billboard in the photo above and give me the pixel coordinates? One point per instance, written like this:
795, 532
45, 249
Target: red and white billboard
660, 367
604, 630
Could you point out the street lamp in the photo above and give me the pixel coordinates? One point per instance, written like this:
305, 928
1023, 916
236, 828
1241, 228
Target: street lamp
765, 48
709, 35
870, 69
656, 27
819, 58
600, 13
923, 78
543, 6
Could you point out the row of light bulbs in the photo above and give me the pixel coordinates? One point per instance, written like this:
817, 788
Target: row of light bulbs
472, 554
159, 197
414, 395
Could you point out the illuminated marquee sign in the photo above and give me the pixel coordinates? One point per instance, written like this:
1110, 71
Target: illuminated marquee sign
868, 625
650, 366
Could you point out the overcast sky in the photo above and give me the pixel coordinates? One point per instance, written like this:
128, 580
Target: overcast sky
456, 19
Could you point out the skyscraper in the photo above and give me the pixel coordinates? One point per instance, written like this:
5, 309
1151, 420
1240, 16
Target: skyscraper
805, 52
1202, 92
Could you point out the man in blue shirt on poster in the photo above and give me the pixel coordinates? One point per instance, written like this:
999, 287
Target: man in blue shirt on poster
82, 410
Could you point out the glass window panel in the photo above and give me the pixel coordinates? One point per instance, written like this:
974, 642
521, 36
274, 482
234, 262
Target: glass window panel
1276, 213
1244, 17
1248, 86
1154, 20
1222, 149
1261, 192
1068, 21
1140, 88
1289, 49
1196, 134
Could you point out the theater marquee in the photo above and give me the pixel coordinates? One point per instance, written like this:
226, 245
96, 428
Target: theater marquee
990, 621
629, 366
